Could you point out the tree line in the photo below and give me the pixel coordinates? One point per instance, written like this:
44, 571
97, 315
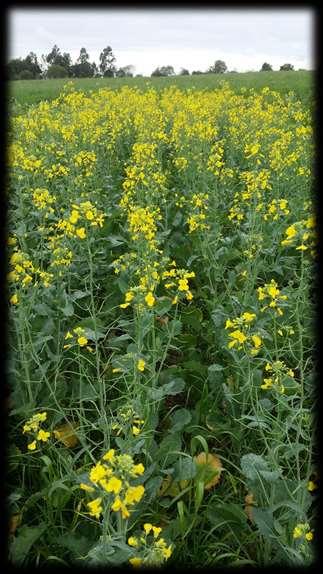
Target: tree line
60, 65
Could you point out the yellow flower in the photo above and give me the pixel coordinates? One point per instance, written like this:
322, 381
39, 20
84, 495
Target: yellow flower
183, 285
114, 484
109, 456
150, 299
86, 487
133, 541
89, 215
248, 317
167, 552
97, 472
43, 435
138, 469
82, 341
135, 561
147, 527
129, 296
135, 430
134, 494
95, 508
237, 336
256, 341
141, 365
156, 530
298, 531
14, 299
74, 216
120, 505
81, 233
32, 445
309, 536
311, 486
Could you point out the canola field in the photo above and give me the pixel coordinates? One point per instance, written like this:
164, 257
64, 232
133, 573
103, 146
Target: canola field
161, 281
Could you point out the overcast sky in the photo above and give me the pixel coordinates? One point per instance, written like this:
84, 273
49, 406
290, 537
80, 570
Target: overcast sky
193, 39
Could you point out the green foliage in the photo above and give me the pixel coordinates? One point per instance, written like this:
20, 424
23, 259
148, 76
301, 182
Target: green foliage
56, 71
160, 258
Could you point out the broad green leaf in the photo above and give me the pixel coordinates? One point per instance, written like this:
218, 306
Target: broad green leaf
23, 542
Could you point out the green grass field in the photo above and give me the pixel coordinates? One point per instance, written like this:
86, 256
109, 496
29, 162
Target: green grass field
26, 92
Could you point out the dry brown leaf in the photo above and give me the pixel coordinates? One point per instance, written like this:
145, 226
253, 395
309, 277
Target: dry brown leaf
250, 503
14, 522
213, 464
67, 435
171, 488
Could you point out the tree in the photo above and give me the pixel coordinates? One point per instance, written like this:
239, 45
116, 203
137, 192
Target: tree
57, 59
125, 72
107, 60
164, 71
26, 75
83, 68
56, 71
24, 68
184, 72
219, 67
50, 58
196, 72
266, 67
286, 68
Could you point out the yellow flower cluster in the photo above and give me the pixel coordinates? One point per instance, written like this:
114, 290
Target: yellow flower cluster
85, 160
215, 162
151, 550
111, 478
32, 426
77, 337
274, 210
75, 225
61, 257
304, 232
144, 176
276, 372
303, 530
270, 293
127, 417
43, 200
142, 223
240, 335
199, 206
56, 170
23, 273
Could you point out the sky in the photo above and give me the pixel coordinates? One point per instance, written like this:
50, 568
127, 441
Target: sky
191, 39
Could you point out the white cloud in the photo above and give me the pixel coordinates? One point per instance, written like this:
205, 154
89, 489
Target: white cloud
183, 38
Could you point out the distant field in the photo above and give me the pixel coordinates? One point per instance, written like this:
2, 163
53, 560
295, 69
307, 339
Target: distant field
26, 92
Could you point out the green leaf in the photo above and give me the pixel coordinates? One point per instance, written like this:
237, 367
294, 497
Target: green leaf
109, 553
215, 368
172, 388
175, 326
168, 448
78, 295
264, 520
227, 512
115, 240
68, 310
184, 468
180, 419
23, 542
251, 464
